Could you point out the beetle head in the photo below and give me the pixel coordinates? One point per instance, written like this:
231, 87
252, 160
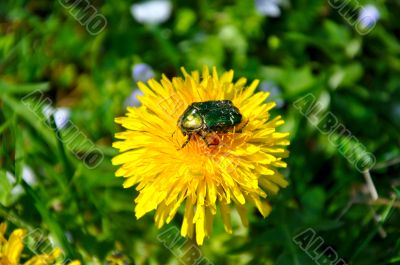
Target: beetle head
191, 121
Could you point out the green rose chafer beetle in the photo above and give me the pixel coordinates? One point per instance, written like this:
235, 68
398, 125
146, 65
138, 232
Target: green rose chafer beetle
206, 117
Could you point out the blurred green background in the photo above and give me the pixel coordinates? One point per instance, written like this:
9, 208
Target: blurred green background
85, 56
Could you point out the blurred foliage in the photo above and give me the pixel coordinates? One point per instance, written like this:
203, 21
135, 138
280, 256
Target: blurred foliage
309, 48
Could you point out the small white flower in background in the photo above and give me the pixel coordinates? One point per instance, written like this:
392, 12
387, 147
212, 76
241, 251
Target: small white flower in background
142, 72
61, 115
17, 190
269, 8
275, 93
10, 177
368, 16
152, 12
132, 100
28, 175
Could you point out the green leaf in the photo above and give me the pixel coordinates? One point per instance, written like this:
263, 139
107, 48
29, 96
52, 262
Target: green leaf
5, 188
6, 88
35, 119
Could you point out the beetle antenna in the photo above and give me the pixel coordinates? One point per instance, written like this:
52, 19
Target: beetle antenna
186, 142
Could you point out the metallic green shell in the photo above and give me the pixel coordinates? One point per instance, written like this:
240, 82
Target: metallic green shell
217, 115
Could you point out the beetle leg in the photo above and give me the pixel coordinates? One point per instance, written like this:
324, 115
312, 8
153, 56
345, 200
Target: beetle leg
203, 136
215, 138
205, 140
241, 129
186, 142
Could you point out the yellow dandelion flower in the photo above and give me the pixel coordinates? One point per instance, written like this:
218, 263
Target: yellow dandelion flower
236, 167
11, 250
